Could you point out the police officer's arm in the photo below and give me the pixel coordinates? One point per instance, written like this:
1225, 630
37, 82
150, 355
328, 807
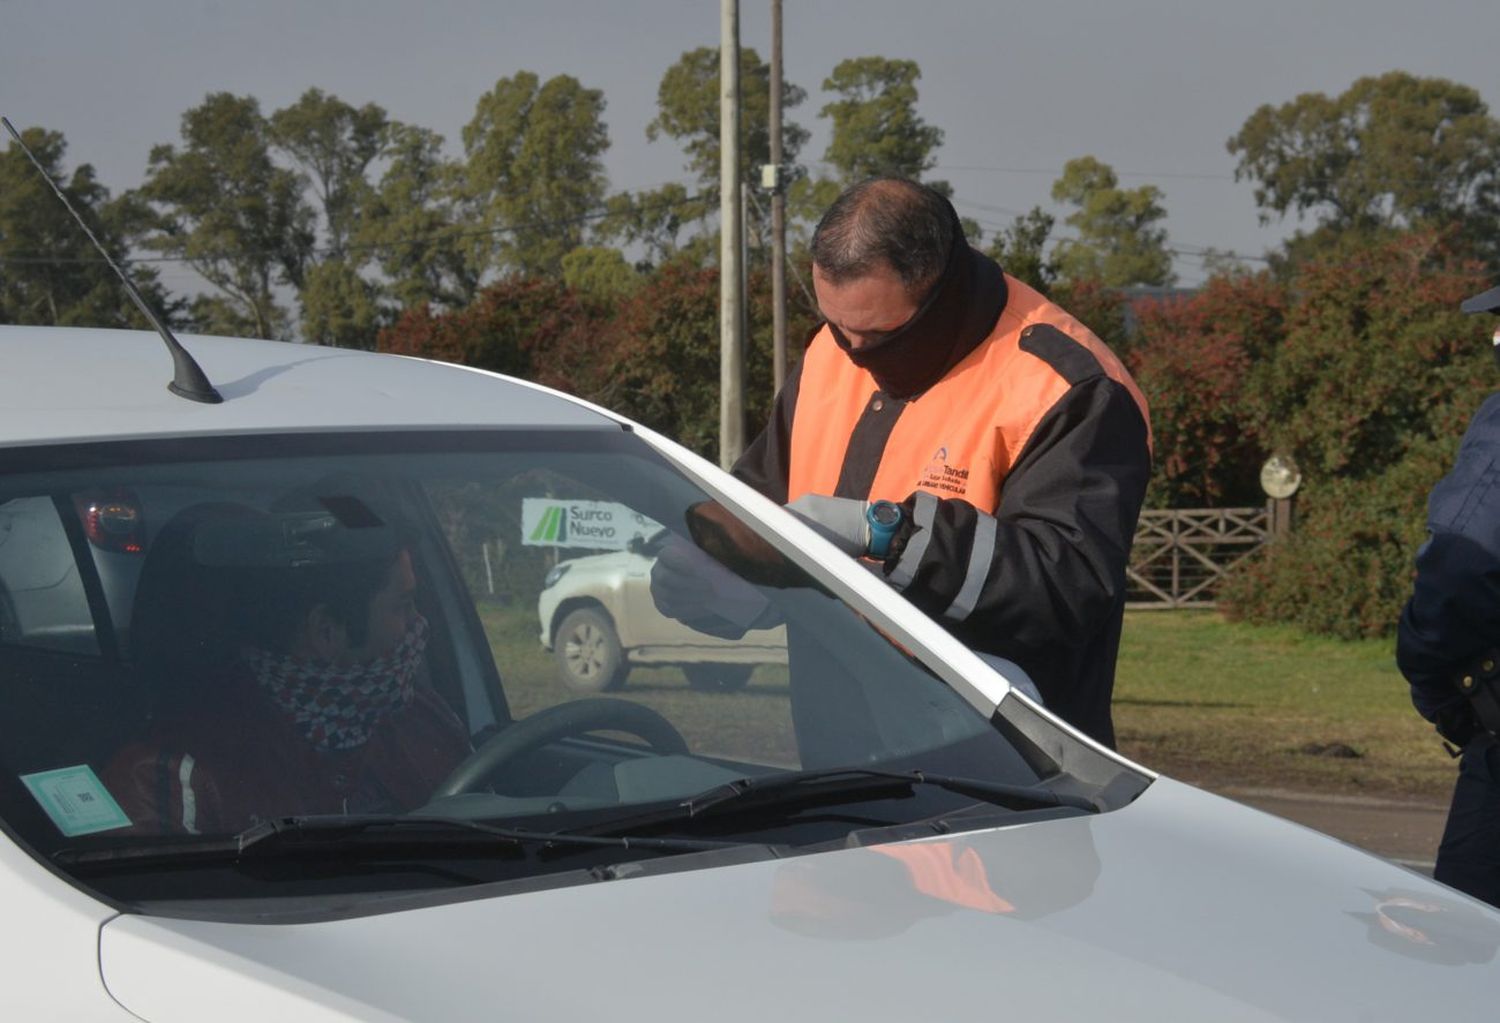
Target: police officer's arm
1448, 622
766, 463
1049, 567
1454, 611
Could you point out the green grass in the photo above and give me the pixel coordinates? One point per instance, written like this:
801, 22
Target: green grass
1229, 705
754, 723
1220, 704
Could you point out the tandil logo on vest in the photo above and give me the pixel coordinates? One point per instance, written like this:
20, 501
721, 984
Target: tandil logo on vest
939, 475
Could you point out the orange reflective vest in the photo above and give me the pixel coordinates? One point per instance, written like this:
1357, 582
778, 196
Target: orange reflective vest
958, 439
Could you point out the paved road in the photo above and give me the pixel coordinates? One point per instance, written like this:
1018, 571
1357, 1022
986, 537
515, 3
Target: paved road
1403, 831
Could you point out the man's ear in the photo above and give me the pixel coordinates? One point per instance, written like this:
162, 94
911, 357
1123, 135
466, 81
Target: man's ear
322, 635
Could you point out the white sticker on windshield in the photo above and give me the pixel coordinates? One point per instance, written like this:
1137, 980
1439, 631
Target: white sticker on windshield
597, 525
76, 800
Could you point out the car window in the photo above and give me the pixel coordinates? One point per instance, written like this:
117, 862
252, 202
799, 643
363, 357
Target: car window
474, 626
42, 599
559, 571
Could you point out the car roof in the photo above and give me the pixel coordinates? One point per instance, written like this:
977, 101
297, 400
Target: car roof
61, 385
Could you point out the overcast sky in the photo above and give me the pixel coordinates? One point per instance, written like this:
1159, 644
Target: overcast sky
1153, 87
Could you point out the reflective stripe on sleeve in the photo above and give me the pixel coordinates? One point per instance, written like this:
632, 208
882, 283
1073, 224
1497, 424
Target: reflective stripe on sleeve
189, 797
980, 555
924, 513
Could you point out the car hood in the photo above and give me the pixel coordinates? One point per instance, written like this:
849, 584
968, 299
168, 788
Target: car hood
1180, 906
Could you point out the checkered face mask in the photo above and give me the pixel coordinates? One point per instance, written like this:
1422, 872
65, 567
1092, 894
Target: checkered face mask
337, 707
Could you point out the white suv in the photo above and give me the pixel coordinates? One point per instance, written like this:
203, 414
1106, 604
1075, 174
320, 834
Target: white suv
598, 618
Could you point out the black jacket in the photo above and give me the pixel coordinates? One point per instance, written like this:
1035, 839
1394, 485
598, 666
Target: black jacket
1453, 615
1040, 579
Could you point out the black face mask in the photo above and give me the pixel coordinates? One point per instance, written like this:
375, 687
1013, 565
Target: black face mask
958, 313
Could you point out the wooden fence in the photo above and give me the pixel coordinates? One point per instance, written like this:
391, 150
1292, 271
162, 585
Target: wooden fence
1181, 555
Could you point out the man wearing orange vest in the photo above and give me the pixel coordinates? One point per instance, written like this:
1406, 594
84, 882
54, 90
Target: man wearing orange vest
978, 442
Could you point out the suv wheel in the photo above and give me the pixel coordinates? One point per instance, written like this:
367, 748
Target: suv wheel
589, 657
717, 678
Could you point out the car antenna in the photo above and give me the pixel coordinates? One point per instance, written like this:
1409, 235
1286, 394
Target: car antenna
188, 379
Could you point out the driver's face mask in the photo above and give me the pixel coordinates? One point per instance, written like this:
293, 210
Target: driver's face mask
338, 707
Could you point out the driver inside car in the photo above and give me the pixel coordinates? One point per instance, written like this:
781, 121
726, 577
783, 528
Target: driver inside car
294, 686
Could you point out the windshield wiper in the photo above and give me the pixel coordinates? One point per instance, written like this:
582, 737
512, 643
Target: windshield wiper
322, 834
792, 789
319, 829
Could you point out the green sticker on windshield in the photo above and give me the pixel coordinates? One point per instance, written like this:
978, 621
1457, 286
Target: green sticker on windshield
76, 800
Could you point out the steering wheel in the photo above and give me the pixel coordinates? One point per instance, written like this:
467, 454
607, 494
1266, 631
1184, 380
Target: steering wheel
578, 717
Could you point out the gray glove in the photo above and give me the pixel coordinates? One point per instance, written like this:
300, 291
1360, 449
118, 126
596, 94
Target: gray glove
693, 588
843, 520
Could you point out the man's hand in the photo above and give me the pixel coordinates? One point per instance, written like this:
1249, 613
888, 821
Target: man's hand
693, 588
843, 520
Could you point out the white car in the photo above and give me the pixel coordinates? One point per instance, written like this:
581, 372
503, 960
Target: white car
889, 833
599, 619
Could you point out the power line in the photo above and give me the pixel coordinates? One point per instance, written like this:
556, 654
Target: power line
1055, 171
1420, 179
1185, 249
987, 206
1198, 253
791, 264
601, 213
1201, 254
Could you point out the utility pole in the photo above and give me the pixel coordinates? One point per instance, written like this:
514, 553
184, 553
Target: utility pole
778, 208
745, 198
731, 292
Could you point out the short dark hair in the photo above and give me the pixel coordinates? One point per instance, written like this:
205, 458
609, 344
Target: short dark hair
347, 564
189, 615
279, 600
891, 222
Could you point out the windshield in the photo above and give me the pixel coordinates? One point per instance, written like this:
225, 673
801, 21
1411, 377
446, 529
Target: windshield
543, 632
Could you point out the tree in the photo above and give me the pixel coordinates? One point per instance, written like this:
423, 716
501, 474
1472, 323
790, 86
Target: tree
412, 223
599, 273
651, 354
653, 220
1369, 388
1119, 242
1375, 356
876, 128
535, 171
222, 205
658, 361
1100, 308
1021, 249
50, 273
664, 357
653, 357
1193, 357
334, 143
876, 132
687, 103
339, 307
530, 327
1393, 151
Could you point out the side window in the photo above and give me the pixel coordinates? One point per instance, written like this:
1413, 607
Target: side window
42, 602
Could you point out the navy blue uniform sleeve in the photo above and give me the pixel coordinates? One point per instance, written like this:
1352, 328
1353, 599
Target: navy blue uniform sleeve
1454, 611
